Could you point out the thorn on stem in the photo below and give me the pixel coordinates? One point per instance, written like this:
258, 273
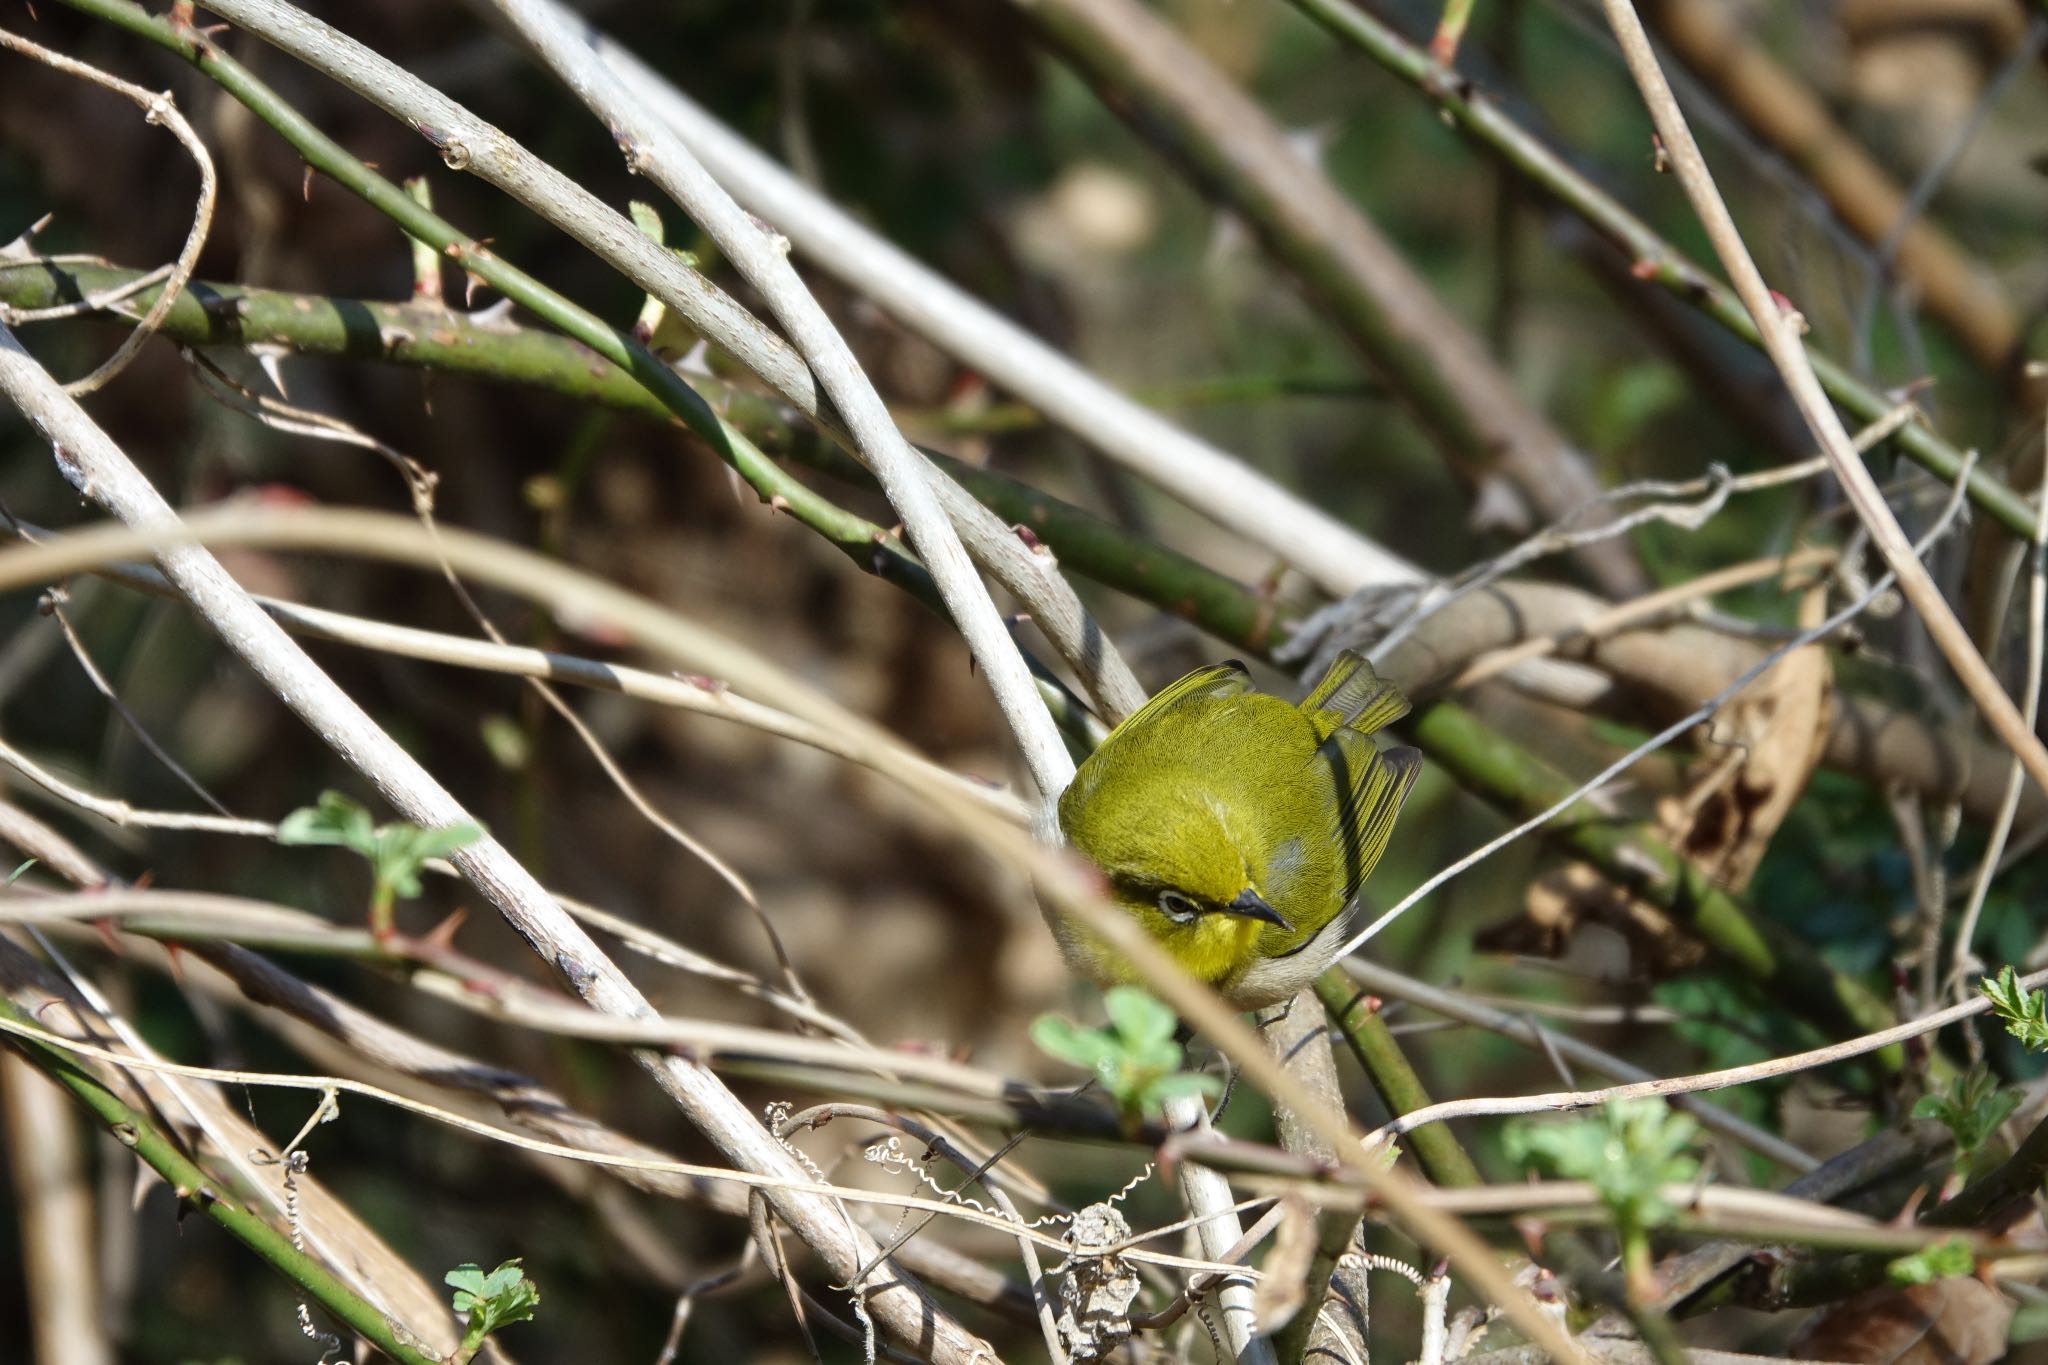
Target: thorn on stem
1794, 319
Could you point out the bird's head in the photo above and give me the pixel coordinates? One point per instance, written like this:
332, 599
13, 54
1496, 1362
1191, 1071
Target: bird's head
1178, 861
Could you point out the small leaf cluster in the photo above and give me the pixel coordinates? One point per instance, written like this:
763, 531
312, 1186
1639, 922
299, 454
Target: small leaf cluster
1972, 1109
396, 852
492, 1301
1628, 1153
2023, 1012
1135, 1058
1941, 1261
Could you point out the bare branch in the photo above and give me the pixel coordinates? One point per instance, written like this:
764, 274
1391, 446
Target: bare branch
468, 143
158, 109
99, 469
653, 150
1706, 1080
1221, 487
1788, 353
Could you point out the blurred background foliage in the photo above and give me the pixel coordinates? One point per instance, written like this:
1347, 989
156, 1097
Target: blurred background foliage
950, 130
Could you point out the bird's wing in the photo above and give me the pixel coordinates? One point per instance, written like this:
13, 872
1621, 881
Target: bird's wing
1226, 679
1370, 786
1356, 696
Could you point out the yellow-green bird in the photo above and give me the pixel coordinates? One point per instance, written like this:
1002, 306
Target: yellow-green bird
1238, 827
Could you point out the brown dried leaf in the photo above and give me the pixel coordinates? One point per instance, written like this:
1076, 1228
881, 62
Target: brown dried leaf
1775, 731
1760, 751
1560, 899
1948, 1322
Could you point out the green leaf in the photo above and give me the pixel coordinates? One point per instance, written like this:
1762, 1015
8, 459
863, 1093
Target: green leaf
1942, 1261
507, 741
2023, 1012
439, 843
647, 218
1162, 1055
395, 851
1628, 1154
492, 1301
401, 850
1972, 1109
1060, 1037
1136, 1059
16, 875
336, 820
1142, 1020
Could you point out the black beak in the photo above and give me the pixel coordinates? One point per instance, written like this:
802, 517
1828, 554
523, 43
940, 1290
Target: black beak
1251, 905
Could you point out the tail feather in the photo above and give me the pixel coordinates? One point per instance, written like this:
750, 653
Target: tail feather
1351, 690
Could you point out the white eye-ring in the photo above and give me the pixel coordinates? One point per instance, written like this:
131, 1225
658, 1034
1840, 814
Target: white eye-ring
1177, 907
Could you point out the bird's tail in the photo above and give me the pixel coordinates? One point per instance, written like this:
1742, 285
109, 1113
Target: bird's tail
1361, 699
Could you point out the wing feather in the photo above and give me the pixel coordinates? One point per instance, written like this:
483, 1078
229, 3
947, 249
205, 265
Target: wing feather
1356, 696
1226, 679
1370, 787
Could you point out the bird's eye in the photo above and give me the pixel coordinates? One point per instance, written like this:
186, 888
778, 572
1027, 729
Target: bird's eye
1177, 907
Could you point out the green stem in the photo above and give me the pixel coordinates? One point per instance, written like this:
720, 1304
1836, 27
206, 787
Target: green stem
424, 336
383, 911
1575, 1262
449, 342
196, 1189
1633, 857
1450, 31
1091, 546
1652, 258
598, 363
1356, 1016
1480, 757
1656, 1329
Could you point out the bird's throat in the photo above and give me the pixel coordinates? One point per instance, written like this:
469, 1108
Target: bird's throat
1216, 948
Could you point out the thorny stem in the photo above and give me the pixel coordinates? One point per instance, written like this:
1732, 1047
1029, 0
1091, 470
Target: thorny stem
1477, 755
196, 1189
1450, 31
1356, 1015
402, 330
469, 144
97, 463
1632, 856
1795, 367
386, 905
1990, 1201
655, 150
1065, 890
